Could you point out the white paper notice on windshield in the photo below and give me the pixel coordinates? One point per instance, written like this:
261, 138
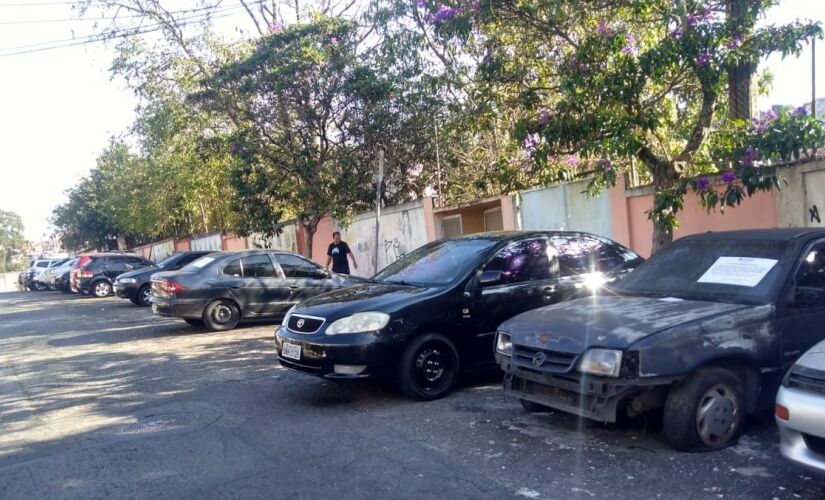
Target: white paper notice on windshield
742, 271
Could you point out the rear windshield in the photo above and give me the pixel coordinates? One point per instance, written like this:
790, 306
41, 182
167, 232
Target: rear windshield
734, 270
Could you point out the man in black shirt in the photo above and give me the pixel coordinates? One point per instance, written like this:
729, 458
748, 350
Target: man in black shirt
337, 254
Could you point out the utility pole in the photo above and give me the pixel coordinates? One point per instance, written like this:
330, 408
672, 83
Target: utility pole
437, 158
813, 83
379, 180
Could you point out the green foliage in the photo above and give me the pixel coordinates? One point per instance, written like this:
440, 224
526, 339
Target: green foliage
12, 241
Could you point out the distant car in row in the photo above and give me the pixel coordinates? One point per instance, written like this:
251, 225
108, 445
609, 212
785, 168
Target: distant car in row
32, 278
94, 274
137, 286
433, 314
220, 289
57, 277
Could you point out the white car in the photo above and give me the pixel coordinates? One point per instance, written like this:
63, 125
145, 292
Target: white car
800, 411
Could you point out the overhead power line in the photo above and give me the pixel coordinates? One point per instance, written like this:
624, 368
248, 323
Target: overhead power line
98, 19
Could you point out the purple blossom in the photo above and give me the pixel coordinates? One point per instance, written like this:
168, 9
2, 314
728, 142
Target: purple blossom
444, 13
800, 111
728, 176
735, 43
415, 169
703, 182
703, 59
770, 115
573, 161
630, 44
334, 40
421, 3
749, 156
695, 18
475, 6
544, 116
605, 165
239, 149
676, 33
604, 29
275, 27
525, 167
531, 142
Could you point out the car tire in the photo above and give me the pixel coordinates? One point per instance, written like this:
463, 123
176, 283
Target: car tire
533, 407
101, 288
705, 411
194, 323
429, 367
40, 287
221, 315
143, 294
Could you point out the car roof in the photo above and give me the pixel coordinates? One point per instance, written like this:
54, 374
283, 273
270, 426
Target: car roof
510, 235
786, 233
257, 251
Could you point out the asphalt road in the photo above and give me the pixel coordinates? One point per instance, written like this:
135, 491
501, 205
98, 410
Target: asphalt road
100, 399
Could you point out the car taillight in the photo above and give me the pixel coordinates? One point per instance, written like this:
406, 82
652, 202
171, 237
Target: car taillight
85, 273
782, 413
170, 287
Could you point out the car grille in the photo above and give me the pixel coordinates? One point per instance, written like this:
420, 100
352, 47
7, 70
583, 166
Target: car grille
543, 360
807, 379
304, 324
815, 443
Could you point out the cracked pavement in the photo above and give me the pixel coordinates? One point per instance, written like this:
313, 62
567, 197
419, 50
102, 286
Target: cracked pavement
101, 399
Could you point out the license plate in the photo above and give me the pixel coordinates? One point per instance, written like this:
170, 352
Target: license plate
155, 308
291, 351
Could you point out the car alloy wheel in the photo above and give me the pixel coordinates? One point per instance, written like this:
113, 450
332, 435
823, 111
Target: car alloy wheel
716, 416
102, 289
143, 295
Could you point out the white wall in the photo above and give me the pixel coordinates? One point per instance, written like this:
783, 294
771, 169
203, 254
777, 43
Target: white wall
287, 240
162, 249
402, 229
565, 207
207, 242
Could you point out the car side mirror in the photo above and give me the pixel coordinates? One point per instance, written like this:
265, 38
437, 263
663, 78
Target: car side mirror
175, 267
490, 278
806, 296
321, 274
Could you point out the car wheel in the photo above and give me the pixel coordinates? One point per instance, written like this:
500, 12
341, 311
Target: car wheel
221, 315
706, 411
40, 287
429, 367
101, 289
533, 407
135, 301
143, 295
196, 323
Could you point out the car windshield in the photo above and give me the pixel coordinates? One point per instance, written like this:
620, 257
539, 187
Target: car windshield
202, 262
438, 263
736, 270
167, 262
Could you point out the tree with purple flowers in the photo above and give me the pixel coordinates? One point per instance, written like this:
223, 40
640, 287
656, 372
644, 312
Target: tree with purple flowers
635, 80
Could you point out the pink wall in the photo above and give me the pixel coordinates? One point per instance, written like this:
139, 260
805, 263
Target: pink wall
231, 242
758, 211
182, 245
508, 215
322, 239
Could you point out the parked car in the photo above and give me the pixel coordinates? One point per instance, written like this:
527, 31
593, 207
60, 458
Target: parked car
57, 277
97, 272
221, 289
800, 410
704, 330
33, 277
434, 312
137, 286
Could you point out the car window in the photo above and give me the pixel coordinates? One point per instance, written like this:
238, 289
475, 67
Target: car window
137, 261
581, 255
296, 267
811, 271
42, 263
258, 266
186, 259
526, 260
233, 268
438, 263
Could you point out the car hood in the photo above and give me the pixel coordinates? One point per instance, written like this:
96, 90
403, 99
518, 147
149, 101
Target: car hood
368, 296
143, 272
607, 321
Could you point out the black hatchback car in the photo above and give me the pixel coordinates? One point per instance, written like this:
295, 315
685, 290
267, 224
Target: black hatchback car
221, 289
99, 271
703, 331
136, 285
434, 312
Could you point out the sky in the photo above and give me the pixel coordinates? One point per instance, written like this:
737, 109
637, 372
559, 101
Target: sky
58, 108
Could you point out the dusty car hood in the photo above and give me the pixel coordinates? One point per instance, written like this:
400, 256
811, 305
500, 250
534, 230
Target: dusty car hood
607, 321
368, 296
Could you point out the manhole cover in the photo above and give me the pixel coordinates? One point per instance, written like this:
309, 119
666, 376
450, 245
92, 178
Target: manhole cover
157, 423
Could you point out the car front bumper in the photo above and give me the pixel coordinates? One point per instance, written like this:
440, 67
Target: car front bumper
589, 396
338, 357
802, 436
178, 307
125, 290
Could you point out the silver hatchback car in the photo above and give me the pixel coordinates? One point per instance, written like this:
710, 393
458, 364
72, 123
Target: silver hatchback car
800, 411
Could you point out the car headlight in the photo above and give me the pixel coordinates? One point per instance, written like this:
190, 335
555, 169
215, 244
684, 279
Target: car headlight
605, 362
359, 323
504, 344
130, 281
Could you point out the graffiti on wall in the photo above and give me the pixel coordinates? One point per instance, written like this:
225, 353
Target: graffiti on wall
814, 211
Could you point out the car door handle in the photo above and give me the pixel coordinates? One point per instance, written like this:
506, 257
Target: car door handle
293, 287
549, 290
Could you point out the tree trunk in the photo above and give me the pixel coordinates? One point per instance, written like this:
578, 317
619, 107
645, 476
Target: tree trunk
310, 225
741, 83
666, 200
662, 236
121, 242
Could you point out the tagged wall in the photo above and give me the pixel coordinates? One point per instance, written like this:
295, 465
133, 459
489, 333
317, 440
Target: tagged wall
402, 229
565, 207
286, 240
207, 242
162, 249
